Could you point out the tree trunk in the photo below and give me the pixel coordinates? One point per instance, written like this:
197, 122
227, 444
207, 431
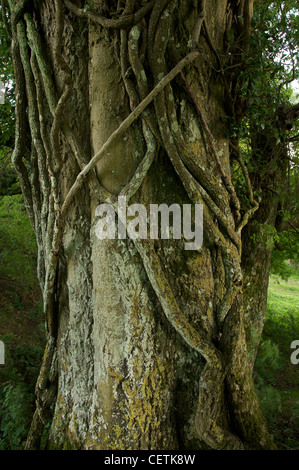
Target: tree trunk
146, 340
271, 159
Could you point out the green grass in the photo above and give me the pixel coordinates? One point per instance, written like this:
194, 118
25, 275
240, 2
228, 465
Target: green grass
276, 377
282, 321
284, 295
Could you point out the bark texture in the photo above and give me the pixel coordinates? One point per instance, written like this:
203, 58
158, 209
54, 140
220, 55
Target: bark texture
146, 341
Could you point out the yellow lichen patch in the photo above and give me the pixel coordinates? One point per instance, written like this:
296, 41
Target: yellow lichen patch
146, 404
106, 432
197, 149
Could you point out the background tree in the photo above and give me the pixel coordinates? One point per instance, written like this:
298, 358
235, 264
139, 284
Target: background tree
268, 126
132, 323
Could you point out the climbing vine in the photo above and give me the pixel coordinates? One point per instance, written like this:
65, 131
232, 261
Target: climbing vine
144, 46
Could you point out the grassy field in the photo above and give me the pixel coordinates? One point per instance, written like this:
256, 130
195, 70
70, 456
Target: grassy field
277, 378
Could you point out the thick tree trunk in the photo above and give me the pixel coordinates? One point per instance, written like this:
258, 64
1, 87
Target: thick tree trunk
146, 341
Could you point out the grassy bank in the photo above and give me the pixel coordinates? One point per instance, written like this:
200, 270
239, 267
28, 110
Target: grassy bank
276, 377
21, 323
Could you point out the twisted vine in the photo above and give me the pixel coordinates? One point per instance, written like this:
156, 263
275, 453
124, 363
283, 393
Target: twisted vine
143, 50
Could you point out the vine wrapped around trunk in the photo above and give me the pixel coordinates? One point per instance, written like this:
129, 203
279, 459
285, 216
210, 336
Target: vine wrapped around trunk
146, 344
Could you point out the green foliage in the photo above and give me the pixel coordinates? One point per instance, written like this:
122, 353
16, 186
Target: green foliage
20, 312
263, 78
16, 414
268, 363
8, 177
7, 119
284, 263
266, 234
273, 62
17, 393
285, 257
277, 380
9, 183
263, 74
270, 401
88, 6
18, 245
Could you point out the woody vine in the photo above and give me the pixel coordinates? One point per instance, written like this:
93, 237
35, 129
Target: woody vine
143, 49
